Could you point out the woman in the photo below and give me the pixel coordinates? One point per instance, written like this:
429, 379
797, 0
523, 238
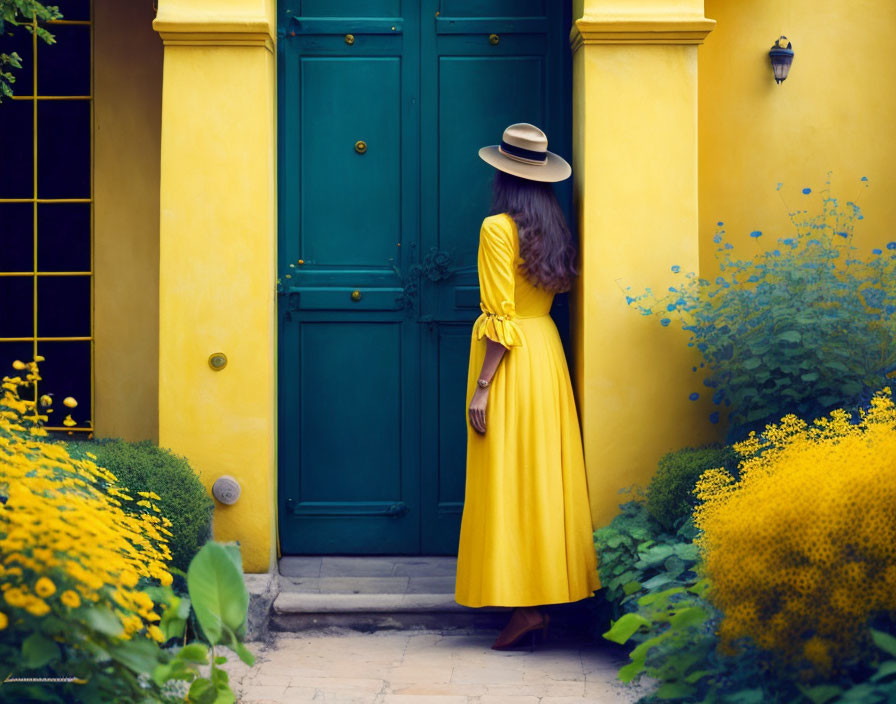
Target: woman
526, 536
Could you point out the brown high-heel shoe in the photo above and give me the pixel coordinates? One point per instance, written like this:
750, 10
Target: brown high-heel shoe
537, 628
538, 635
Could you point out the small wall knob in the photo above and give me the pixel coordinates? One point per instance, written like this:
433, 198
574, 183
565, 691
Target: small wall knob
356, 295
226, 489
361, 146
217, 361
493, 39
349, 38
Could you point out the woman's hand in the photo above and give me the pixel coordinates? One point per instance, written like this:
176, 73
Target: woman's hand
477, 409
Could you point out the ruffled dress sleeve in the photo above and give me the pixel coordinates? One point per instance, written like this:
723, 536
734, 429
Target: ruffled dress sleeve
498, 320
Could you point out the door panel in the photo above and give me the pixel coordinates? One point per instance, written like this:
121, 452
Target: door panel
348, 342
372, 361
362, 410
350, 207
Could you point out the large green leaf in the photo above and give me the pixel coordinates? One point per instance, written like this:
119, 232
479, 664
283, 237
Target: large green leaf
790, 336
38, 650
217, 591
174, 618
884, 641
690, 616
138, 654
886, 669
822, 693
623, 629
241, 650
103, 619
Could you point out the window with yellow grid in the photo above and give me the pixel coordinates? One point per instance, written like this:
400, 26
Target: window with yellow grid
46, 213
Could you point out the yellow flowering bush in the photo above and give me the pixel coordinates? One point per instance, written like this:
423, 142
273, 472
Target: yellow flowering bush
801, 550
70, 557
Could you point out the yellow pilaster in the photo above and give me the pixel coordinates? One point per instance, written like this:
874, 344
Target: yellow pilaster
635, 166
217, 254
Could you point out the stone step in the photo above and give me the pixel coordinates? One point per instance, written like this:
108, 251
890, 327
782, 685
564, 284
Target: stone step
373, 593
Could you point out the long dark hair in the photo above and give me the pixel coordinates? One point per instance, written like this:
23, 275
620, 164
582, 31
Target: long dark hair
546, 244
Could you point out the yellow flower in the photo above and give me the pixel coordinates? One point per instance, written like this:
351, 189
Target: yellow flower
46, 400
18, 364
15, 597
810, 518
69, 401
82, 539
37, 607
4, 620
70, 599
68, 420
165, 578
155, 633
44, 587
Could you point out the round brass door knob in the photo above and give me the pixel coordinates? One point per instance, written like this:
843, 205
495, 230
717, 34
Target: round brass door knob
356, 295
361, 146
493, 39
349, 38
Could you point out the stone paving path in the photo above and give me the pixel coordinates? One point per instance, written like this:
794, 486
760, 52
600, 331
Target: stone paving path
341, 666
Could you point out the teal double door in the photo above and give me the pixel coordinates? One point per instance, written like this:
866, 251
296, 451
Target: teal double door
383, 105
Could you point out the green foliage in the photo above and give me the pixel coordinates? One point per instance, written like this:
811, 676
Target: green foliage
659, 601
20, 13
144, 466
670, 497
674, 635
878, 683
636, 555
220, 602
802, 327
113, 668
651, 577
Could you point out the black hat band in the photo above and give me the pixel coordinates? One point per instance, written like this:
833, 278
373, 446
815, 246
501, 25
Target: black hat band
529, 154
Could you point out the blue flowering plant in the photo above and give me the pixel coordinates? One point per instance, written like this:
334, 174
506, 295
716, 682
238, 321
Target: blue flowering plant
803, 326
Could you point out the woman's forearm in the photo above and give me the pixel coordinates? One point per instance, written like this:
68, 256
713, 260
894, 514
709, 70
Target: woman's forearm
494, 353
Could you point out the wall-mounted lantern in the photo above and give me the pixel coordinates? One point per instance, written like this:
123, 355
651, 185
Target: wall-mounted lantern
782, 56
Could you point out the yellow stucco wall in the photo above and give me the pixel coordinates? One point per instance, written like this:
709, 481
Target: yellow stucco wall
217, 256
127, 133
835, 112
635, 162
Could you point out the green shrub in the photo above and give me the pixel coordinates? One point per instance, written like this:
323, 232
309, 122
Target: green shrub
670, 497
803, 326
144, 466
636, 555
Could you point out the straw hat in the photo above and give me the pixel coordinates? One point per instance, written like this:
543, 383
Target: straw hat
524, 152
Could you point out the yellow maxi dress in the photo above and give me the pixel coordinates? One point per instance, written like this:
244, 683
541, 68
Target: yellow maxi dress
526, 537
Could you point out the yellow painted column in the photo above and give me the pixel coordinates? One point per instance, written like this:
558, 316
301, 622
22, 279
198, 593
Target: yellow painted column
217, 251
635, 166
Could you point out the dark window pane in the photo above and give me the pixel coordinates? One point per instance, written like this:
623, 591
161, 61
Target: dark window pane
73, 9
19, 40
63, 237
63, 68
63, 306
24, 352
66, 372
16, 306
63, 144
16, 237
17, 156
